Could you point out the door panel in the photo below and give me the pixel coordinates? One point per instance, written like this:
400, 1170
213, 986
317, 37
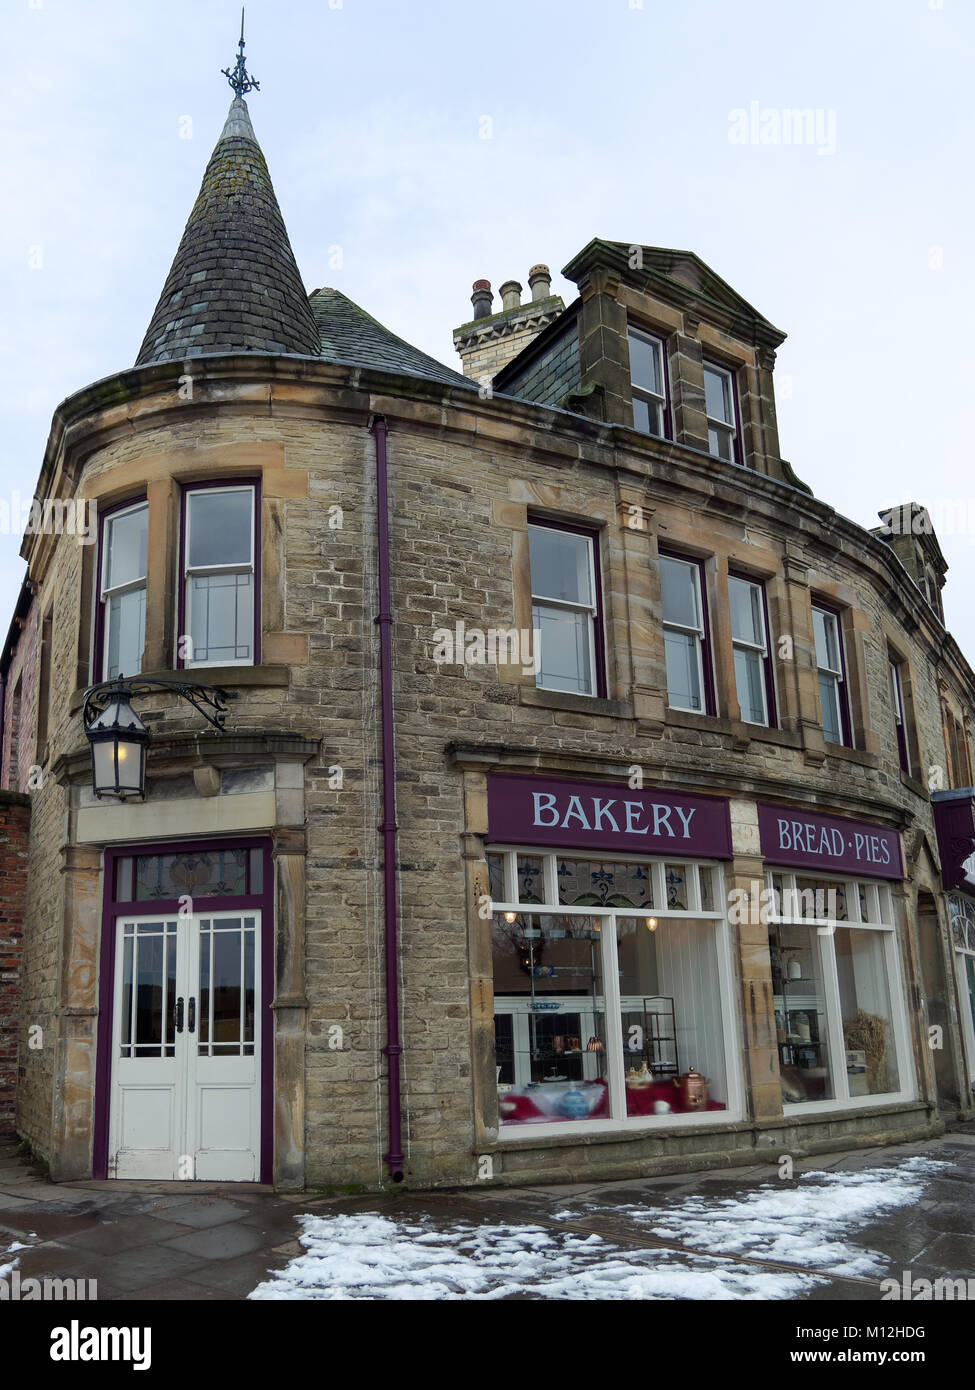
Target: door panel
186, 1048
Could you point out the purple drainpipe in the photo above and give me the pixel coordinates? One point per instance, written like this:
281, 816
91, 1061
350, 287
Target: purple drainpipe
393, 1049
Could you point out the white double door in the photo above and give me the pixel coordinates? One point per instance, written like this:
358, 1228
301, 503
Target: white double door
186, 1071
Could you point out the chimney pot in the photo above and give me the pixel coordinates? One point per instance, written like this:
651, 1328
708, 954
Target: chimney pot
510, 295
540, 281
482, 299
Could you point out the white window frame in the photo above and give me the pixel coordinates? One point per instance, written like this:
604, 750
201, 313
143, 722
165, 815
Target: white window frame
880, 919
652, 399
745, 645
105, 595
699, 633
836, 675
566, 605
966, 909
190, 572
727, 427
612, 1003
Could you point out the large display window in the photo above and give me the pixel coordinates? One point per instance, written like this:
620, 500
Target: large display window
612, 991
840, 1020
962, 913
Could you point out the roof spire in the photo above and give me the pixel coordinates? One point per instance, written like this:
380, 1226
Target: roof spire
238, 77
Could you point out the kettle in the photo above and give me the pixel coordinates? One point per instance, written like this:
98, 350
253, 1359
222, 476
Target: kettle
693, 1088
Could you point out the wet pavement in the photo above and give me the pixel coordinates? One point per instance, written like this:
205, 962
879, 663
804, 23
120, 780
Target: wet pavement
218, 1241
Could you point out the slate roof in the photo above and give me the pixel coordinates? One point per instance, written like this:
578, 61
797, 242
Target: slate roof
349, 335
234, 285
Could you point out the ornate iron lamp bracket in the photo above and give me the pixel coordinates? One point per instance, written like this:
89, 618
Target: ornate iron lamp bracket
208, 700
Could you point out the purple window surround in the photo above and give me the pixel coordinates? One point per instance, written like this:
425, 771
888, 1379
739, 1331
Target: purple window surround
98, 643
662, 339
111, 910
845, 721
768, 665
204, 486
707, 661
599, 636
901, 724
732, 374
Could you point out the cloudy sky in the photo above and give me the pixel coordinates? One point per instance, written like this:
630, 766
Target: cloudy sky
416, 145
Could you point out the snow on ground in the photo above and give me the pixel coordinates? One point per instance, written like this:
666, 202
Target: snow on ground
808, 1224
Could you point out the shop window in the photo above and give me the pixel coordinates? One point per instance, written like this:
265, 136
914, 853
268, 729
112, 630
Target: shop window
961, 911
722, 412
831, 672
687, 644
120, 634
611, 1002
841, 1033
648, 381
566, 612
218, 620
752, 655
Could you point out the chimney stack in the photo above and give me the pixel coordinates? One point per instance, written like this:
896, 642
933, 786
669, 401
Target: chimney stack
540, 282
510, 296
482, 299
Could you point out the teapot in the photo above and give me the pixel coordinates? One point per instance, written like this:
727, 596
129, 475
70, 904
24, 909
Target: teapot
693, 1088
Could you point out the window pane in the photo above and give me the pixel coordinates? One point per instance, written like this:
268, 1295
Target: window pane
126, 539
678, 583
220, 527
827, 642
670, 1012
750, 683
720, 443
641, 416
645, 364
717, 395
126, 617
799, 1001
550, 1024
829, 703
747, 618
683, 674
221, 617
560, 565
564, 662
871, 1060
591, 883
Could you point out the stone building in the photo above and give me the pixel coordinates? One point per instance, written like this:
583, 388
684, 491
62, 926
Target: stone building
579, 752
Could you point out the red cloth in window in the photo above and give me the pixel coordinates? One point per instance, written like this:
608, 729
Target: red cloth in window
517, 1107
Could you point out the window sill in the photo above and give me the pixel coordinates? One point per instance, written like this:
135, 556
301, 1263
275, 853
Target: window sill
638, 1127
851, 755
737, 729
225, 676
541, 698
914, 785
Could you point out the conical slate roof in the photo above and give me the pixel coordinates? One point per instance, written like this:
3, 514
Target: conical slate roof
349, 335
234, 285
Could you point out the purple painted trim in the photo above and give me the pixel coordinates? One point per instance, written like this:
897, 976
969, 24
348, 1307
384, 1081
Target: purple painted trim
384, 620
592, 534
517, 814
847, 728
954, 823
831, 844
768, 673
111, 910
97, 672
201, 486
710, 699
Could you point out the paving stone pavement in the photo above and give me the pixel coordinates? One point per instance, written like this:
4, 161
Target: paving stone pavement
217, 1241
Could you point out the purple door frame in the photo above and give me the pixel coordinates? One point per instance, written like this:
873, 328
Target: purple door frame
111, 910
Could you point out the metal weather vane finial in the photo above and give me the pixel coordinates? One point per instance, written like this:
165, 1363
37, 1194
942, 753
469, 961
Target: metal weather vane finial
238, 77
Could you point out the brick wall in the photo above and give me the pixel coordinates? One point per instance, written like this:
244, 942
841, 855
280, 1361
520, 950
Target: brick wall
14, 824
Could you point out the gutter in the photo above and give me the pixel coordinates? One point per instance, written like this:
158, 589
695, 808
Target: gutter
393, 1048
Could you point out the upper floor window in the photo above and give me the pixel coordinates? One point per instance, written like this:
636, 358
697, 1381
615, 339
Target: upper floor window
750, 639
722, 412
900, 717
686, 643
566, 611
830, 669
648, 381
218, 611
121, 634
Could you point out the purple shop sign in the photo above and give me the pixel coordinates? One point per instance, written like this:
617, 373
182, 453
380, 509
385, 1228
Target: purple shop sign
606, 816
831, 844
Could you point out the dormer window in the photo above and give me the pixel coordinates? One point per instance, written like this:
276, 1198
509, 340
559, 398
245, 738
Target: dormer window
648, 381
722, 412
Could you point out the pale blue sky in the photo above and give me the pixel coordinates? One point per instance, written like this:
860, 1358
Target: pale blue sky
607, 119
